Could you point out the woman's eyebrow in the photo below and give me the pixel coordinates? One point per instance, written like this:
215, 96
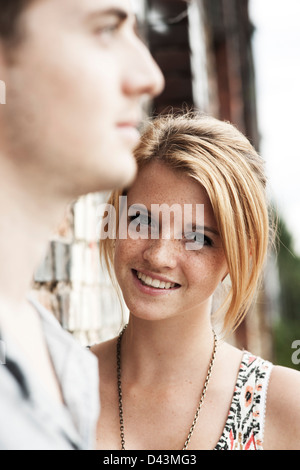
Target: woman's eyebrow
196, 227
140, 207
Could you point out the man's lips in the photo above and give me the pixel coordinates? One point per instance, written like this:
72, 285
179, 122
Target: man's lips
129, 130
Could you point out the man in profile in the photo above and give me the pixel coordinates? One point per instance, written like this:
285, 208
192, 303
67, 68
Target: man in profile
75, 73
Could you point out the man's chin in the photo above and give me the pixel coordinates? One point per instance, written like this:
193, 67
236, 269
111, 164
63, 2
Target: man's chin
120, 175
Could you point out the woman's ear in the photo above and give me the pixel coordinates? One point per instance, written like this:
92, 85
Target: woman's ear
224, 277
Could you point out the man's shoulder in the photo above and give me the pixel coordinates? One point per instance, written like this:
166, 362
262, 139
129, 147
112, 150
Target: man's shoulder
54, 332
75, 366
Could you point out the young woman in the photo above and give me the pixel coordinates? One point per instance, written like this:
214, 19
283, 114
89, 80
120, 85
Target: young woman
170, 380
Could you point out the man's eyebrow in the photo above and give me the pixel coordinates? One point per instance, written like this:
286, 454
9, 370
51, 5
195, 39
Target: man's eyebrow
120, 14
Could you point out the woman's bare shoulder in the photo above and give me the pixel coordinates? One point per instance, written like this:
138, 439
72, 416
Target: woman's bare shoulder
103, 348
282, 426
106, 355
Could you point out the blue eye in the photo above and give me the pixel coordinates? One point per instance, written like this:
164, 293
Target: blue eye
143, 221
208, 241
140, 219
199, 239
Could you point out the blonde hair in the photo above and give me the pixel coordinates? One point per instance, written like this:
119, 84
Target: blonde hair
223, 161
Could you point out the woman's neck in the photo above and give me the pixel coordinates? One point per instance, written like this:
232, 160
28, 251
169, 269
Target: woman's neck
166, 350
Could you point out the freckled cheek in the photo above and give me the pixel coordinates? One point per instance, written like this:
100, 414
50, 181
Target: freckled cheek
206, 272
126, 253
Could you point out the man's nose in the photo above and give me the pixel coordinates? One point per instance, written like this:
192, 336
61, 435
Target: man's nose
144, 76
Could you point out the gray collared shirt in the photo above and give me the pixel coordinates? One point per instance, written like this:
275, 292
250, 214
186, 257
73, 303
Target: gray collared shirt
29, 418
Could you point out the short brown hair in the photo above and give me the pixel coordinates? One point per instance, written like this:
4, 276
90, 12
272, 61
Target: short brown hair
10, 11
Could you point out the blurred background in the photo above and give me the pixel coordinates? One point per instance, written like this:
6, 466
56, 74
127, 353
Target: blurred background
237, 60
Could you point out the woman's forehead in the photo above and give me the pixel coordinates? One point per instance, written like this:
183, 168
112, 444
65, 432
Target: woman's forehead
157, 184
159, 180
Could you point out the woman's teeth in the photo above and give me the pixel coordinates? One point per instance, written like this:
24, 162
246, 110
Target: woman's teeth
154, 282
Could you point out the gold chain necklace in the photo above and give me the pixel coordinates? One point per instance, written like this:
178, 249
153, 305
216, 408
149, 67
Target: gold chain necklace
204, 390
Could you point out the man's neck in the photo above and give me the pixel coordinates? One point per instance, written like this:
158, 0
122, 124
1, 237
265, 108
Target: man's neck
30, 210
29, 214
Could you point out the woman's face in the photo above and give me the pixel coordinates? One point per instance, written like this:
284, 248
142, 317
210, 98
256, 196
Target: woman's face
160, 277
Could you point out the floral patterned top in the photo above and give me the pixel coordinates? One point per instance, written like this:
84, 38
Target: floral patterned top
244, 428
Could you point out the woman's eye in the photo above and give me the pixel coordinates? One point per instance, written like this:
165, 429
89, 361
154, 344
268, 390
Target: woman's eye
208, 241
199, 239
140, 219
145, 220
140, 226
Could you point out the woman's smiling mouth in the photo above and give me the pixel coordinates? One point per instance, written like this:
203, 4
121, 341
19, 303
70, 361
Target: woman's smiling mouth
154, 283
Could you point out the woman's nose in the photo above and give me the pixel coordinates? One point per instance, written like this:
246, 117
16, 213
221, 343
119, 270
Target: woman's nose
161, 253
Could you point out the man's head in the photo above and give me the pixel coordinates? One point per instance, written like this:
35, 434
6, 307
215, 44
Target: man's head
75, 73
